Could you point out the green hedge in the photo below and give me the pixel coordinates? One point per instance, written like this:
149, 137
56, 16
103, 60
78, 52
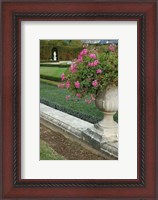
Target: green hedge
68, 53
88, 118
45, 53
64, 52
60, 65
80, 115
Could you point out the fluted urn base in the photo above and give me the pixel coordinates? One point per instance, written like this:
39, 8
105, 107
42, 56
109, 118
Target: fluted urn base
107, 102
107, 128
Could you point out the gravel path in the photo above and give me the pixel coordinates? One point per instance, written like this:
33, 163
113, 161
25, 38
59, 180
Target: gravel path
67, 148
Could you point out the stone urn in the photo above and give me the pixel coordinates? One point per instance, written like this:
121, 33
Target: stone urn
107, 102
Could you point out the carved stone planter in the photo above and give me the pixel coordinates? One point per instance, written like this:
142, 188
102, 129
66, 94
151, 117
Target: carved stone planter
107, 102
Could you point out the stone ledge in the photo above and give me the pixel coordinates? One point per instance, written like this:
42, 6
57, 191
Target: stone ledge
82, 130
95, 140
63, 120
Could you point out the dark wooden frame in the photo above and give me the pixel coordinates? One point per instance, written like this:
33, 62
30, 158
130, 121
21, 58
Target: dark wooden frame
144, 187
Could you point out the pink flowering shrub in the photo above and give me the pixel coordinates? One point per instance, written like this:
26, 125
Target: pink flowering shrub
98, 71
91, 72
95, 83
92, 55
77, 84
62, 76
78, 95
67, 84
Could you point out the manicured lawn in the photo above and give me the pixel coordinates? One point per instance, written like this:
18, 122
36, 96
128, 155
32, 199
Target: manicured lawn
52, 71
49, 82
55, 97
47, 153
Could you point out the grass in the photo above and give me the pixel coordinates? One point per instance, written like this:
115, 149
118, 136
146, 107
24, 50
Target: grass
54, 72
47, 153
55, 97
49, 82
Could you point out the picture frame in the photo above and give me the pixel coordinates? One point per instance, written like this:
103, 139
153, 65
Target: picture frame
145, 186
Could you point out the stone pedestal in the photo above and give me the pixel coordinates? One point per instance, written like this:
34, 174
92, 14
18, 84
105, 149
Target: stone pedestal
107, 128
107, 102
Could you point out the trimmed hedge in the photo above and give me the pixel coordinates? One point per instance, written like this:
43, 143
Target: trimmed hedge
88, 118
64, 52
68, 53
44, 61
85, 117
60, 65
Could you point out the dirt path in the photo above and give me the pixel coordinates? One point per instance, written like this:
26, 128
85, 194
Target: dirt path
65, 147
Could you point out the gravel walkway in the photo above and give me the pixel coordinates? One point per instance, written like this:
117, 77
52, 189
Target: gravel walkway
71, 150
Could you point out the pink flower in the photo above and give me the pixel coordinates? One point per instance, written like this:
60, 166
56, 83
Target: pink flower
92, 96
96, 62
90, 64
78, 95
67, 97
98, 71
61, 85
77, 84
92, 55
88, 101
84, 52
62, 76
93, 64
80, 59
73, 68
112, 47
95, 83
67, 84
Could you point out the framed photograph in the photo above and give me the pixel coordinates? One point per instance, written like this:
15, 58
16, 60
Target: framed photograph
75, 78
79, 99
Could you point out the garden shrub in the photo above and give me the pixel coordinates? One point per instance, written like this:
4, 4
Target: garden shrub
91, 119
60, 65
64, 52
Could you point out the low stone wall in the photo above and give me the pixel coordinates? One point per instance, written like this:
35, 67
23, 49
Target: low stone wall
78, 129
